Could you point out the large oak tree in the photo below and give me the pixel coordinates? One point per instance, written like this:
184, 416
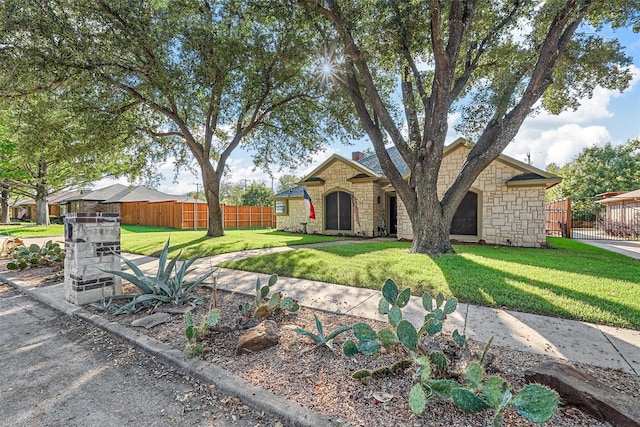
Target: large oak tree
50, 147
216, 75
491, 60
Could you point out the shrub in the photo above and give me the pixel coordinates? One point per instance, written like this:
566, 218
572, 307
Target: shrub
166, 286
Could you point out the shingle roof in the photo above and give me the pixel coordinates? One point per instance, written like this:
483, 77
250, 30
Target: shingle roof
526, 177
297, 191
102, 193
373, 163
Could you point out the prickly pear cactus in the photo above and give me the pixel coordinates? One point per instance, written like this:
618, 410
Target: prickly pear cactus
536, 403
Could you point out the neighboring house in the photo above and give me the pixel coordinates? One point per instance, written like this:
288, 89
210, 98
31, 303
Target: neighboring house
505, 204
94, 200
26, 209
622, 217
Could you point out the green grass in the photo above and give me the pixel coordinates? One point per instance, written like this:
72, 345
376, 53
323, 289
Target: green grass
573, 280
31, 230
147, 240
151, 241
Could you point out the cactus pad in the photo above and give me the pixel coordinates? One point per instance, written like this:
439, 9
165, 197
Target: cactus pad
407, 335
417, 399
536, 403
468, 402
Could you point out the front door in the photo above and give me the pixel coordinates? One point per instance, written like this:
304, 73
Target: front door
393, 215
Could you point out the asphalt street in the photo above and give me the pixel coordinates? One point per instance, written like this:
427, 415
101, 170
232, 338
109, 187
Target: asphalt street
57, 371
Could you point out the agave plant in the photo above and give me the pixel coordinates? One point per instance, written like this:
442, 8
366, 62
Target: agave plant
167, 286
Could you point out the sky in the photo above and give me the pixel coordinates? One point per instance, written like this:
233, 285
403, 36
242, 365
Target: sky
609, 116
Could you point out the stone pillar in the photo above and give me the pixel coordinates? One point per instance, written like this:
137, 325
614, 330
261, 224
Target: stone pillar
91, 241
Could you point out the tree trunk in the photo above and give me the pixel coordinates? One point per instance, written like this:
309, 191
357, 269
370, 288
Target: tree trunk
4, 203
42, 206
211, 185
430, 221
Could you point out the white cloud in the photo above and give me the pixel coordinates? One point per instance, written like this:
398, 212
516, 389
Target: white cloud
559, 138
557, 145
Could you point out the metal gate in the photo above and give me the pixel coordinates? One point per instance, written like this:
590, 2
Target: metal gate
594, 218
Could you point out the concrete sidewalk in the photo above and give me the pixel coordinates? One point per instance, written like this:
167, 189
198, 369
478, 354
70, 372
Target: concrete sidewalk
572, 340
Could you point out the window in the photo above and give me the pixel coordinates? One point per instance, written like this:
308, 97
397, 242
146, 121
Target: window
280, 207
337, 212
465, 220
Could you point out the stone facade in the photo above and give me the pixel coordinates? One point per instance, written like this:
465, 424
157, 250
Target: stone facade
92, 242
509, 215
510, 211
337, 177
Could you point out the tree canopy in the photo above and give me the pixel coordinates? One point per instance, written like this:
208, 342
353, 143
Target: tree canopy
257, 195
597, 170
407, 65
200, 78
52, 150
286, 182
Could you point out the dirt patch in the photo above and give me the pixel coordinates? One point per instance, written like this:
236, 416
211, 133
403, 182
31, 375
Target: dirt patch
321, 379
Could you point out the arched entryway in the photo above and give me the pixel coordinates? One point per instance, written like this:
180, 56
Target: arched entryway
337, 211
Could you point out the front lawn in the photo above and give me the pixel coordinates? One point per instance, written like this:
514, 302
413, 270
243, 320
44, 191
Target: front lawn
573, 280
150, 240
27, 230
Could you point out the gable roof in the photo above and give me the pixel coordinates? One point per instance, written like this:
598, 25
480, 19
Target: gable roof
102, 194
631, 195
139, 194
373, 163
358, 166
370, 167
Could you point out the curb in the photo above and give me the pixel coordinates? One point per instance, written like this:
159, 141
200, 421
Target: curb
257, 398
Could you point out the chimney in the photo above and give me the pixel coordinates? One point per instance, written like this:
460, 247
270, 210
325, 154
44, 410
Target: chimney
357, 155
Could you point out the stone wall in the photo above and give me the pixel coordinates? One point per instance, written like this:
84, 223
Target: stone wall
92, 243
336, 176
509, 215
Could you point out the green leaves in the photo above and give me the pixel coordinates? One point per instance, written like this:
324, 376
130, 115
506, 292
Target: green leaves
320, 338
167, 285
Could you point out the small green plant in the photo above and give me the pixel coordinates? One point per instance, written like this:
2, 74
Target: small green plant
48, 254
266, 307
166, 286
195, 333
320, 338
473, 392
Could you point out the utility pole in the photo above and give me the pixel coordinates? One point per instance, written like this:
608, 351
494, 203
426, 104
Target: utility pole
529, 158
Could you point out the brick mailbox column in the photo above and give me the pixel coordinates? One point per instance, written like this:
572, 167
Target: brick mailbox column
90, 241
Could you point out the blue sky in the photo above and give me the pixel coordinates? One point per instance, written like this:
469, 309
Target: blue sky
609, 116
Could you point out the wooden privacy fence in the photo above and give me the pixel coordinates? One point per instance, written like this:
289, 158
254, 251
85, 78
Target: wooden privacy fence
181, 215
558, 217
247, 216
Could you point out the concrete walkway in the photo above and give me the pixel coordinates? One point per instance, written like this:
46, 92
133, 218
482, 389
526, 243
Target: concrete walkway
576, 341
629, 248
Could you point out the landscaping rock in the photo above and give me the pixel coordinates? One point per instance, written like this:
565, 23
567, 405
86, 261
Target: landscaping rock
150, 321
261, 337
585, 392
174, 309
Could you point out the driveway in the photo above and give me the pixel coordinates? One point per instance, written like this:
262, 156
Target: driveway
630, 248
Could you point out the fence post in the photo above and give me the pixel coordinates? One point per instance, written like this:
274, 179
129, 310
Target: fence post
569, 225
